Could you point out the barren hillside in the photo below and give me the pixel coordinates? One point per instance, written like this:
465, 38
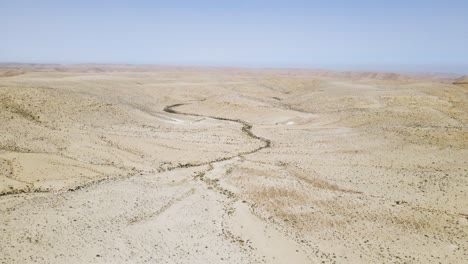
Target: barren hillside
118, 163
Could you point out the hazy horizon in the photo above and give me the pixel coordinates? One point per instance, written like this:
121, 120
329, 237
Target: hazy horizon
416, 36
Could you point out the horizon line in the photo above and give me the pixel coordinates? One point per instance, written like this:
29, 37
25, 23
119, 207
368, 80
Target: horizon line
324, 67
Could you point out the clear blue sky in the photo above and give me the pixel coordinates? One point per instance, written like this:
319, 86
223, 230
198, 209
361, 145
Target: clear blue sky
236, 32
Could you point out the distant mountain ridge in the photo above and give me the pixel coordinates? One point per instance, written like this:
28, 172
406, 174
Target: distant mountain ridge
12, 69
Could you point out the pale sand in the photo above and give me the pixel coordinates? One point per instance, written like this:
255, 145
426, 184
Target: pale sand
133, 164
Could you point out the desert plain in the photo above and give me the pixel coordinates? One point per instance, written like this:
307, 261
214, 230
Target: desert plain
149, 164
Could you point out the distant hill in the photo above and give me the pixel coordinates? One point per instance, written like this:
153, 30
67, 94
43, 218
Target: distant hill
463, 81
9, 73
13, 69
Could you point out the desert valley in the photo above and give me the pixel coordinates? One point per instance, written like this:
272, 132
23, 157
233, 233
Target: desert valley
152, 164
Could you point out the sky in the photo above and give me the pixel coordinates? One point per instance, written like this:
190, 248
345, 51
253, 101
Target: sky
430, 35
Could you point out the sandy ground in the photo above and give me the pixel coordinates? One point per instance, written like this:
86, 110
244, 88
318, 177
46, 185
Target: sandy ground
134, 164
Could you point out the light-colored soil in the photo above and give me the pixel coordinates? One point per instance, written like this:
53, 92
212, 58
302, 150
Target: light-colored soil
134, 164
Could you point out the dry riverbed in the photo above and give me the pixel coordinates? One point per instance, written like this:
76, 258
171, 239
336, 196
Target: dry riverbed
135, 164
